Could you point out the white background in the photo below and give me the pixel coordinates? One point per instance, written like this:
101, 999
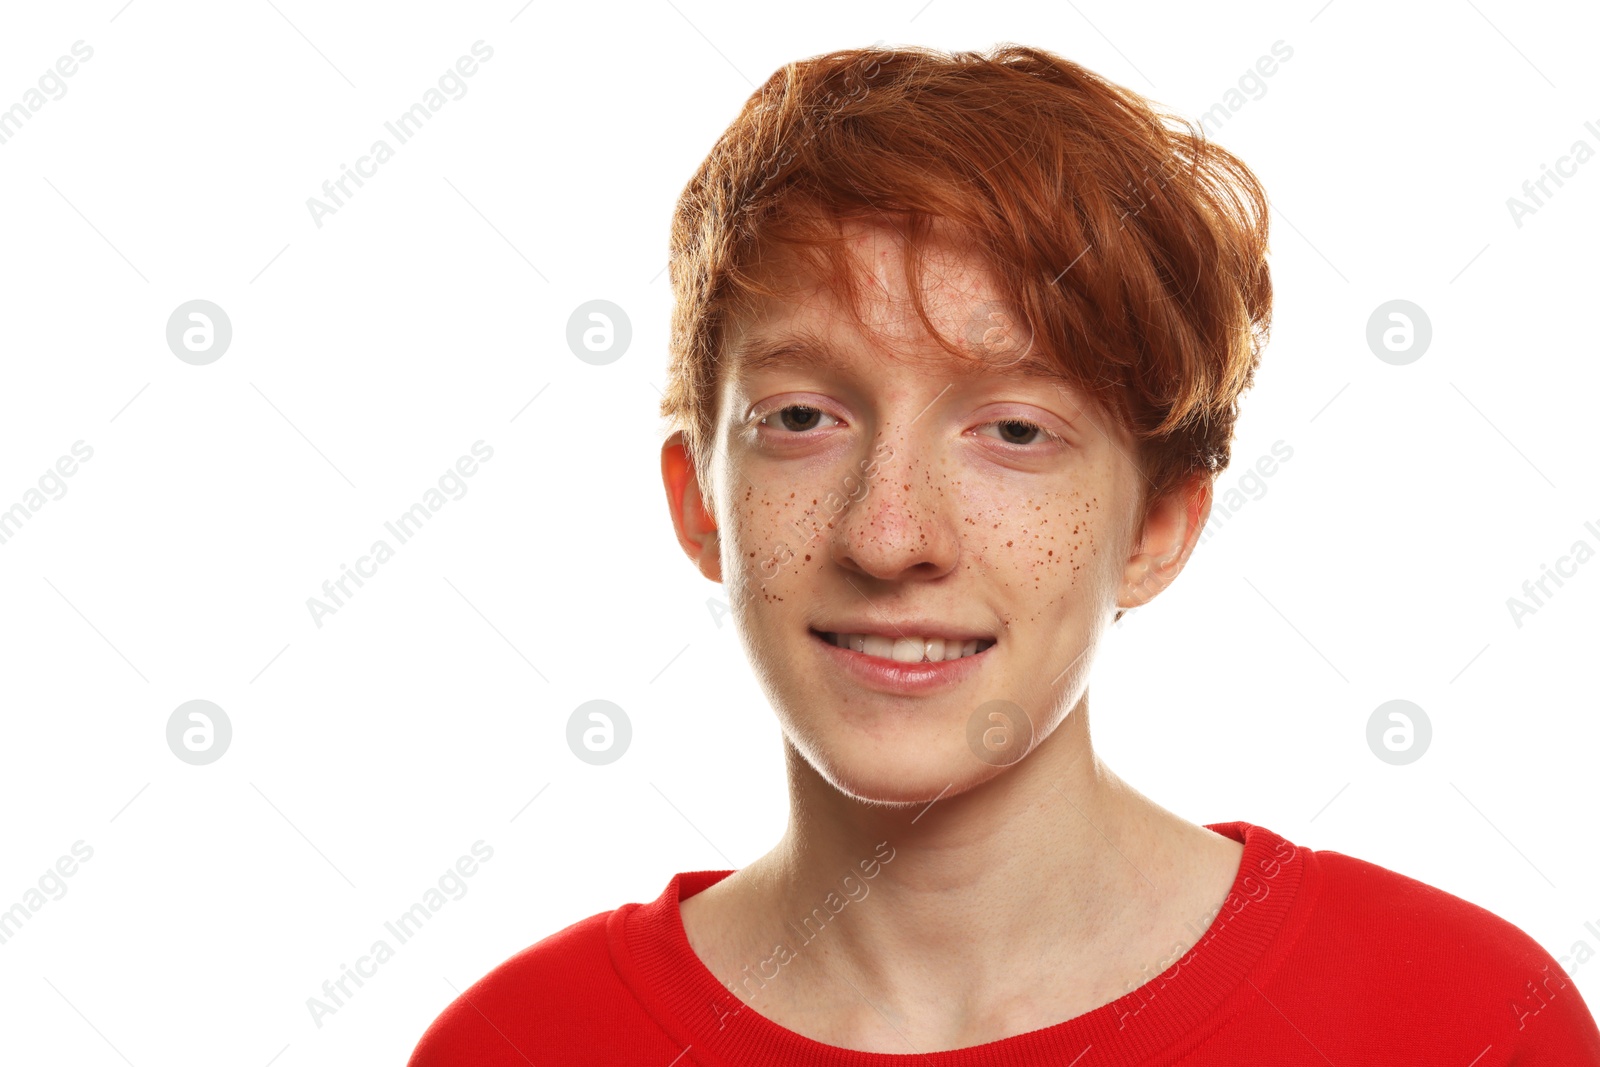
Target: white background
368, 354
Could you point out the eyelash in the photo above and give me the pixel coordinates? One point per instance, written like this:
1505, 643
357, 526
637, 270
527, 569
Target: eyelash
1046, 434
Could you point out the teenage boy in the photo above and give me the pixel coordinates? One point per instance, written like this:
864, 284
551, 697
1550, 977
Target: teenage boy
956, 357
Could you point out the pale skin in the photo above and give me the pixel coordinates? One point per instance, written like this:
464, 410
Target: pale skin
1022, 895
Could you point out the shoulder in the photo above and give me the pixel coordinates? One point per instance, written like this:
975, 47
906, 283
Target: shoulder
1396, 939
520, 1007
592, 993
1419, 921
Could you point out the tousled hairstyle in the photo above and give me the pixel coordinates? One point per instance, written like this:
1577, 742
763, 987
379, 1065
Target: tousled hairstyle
1133, 249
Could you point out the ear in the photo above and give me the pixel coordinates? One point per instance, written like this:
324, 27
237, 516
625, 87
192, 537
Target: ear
695, 527
1171, 531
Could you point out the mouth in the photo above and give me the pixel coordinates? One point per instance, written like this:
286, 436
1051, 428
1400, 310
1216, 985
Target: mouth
904, 665
911, 648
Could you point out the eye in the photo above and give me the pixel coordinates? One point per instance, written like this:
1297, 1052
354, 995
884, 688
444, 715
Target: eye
1021, 428
805, 418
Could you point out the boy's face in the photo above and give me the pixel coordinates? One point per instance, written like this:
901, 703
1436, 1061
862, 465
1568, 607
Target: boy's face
911, 498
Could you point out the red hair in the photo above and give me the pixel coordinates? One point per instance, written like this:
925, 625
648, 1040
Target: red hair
1134, 250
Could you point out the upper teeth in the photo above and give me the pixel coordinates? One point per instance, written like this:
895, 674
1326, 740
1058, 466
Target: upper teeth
910, 649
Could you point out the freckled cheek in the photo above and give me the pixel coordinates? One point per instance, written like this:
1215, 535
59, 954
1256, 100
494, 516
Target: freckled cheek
776, 538
1095, 569
1064, 557
1049, 541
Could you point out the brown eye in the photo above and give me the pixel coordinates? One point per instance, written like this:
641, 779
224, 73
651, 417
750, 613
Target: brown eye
796, 418
1020, 431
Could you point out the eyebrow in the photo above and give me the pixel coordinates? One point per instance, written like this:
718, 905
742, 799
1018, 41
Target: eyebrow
780, 353
758, 354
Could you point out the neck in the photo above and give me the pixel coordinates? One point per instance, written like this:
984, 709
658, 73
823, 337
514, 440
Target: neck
1044, 852
1043, 893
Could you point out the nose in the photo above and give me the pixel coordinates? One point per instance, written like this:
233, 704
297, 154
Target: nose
904, 524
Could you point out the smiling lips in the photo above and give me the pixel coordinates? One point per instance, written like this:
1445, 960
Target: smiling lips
908, 664
908, 648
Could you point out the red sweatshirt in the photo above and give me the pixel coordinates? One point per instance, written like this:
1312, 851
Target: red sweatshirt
1315, 958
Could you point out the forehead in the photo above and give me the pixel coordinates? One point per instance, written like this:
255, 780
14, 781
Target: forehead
875, 257
803, 316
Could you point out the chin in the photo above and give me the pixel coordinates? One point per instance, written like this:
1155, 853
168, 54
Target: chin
909, 774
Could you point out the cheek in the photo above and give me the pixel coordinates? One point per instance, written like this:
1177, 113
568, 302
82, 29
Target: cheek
1048, 549
776, 537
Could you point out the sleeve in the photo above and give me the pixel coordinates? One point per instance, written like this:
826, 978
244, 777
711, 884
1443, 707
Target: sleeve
1550, 1022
